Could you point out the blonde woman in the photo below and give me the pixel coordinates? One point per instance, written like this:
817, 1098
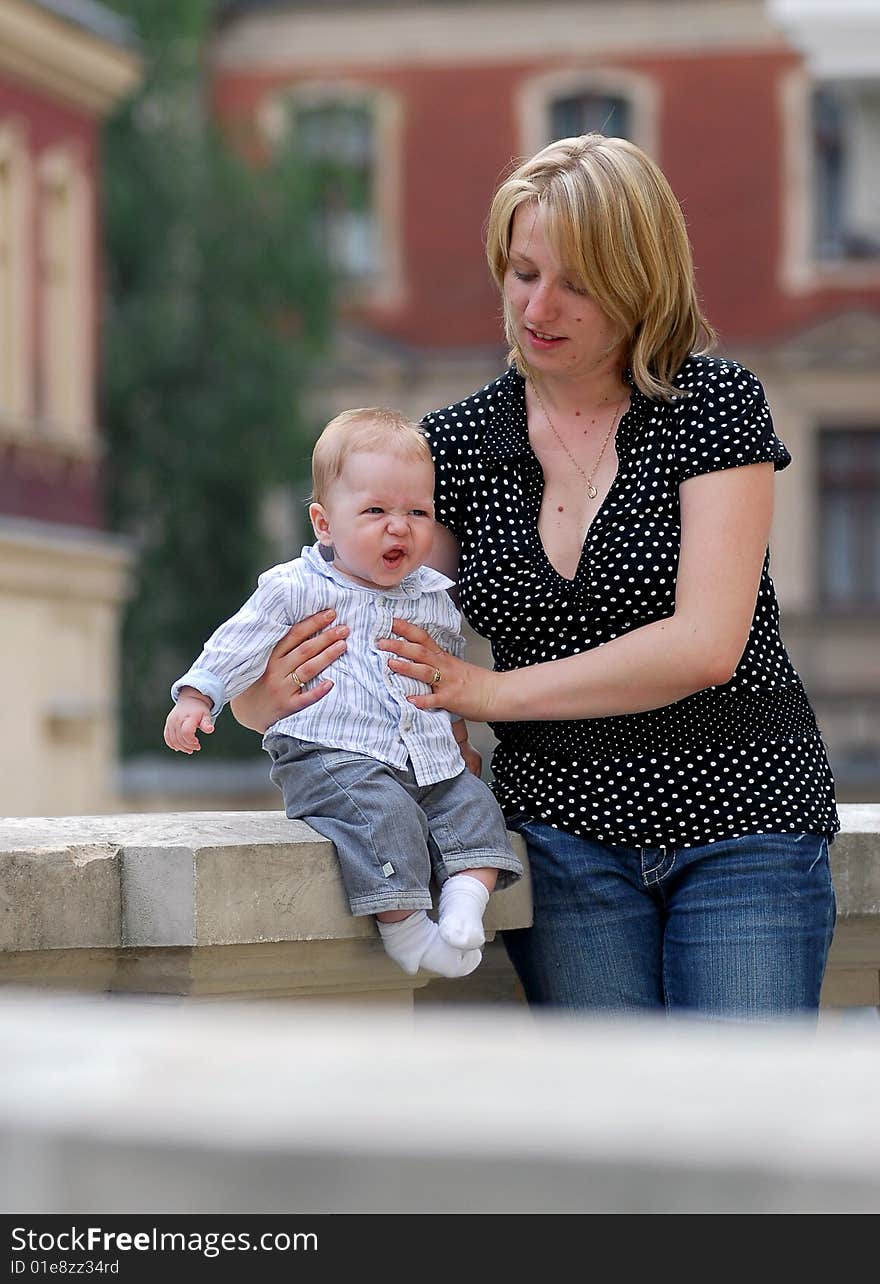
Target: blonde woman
605, 508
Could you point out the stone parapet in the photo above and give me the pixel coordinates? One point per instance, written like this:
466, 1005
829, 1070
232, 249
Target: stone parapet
853, 975
119, 1107
250, 904
215, 904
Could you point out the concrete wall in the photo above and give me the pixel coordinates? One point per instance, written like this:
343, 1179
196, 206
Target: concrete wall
226, 904
123, 1106
61, 591
130, 1097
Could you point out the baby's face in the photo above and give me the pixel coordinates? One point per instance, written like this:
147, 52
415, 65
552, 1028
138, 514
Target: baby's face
379, 516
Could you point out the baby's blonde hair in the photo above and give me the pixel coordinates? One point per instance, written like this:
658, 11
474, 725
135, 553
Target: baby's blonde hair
615, 224
369, 428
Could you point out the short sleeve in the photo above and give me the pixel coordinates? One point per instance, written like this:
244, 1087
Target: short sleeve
725, 423
447, 481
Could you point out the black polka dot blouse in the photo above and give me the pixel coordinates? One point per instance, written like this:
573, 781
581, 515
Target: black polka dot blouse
741, 758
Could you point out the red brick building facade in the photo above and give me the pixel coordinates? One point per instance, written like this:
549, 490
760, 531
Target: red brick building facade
722, 120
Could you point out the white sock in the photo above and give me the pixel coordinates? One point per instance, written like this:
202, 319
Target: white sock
463, 899
415, 942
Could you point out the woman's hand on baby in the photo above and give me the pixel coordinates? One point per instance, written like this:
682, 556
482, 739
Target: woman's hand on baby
462, 688
305, 650
192, 713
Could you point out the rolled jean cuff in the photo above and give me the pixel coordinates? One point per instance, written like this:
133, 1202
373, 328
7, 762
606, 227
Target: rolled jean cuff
509, 866
382, 901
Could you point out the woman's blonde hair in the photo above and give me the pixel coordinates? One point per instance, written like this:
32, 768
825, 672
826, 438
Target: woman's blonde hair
368, 428
614, 223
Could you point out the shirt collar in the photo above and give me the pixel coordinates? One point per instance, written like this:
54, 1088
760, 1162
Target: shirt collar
424, 579
507, 430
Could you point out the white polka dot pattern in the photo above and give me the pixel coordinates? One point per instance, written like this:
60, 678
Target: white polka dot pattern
746, 757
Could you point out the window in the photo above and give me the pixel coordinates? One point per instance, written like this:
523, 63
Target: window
846, 171
604, 100
589, 113
338, 138
849, 533
14, 262
350, 133
64, 368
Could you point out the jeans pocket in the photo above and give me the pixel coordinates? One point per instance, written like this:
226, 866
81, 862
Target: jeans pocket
276, 746
519, 821
341, 757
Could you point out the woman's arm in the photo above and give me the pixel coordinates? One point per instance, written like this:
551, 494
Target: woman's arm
725, 521
308, 647
444, 552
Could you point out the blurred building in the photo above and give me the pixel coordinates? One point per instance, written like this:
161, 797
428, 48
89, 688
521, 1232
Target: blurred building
63, 63
764, 114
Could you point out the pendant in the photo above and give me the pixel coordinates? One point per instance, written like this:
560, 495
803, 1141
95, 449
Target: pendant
591, 490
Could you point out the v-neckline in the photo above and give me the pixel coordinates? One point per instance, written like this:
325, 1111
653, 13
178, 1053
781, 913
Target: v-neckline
599, 511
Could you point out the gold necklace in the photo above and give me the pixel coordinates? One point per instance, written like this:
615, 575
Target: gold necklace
591, 489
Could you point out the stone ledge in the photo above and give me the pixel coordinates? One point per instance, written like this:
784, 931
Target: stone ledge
238, 903
212, 904
185, 879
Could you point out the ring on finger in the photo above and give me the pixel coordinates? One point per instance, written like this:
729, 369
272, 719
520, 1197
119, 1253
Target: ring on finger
436, 678
294, 677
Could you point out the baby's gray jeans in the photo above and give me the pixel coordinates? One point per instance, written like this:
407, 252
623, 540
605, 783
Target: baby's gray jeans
391, 833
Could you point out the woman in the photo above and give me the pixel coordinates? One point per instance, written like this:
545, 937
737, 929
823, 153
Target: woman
605, 507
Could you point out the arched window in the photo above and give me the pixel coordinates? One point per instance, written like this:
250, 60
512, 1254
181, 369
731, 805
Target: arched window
563, 104
849, 484
339, 140
15, 259
349, 136
589, 112
64, 381
845, 121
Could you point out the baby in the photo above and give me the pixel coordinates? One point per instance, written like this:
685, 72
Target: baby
383, 780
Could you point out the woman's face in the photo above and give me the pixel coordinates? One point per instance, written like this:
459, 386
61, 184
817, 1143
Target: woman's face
559, 328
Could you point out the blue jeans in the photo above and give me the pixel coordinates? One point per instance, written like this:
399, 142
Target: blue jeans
738, 928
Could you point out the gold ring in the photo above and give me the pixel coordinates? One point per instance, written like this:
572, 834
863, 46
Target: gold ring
294, 677
436, 678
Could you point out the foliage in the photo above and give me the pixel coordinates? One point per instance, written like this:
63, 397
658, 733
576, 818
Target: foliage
216, 303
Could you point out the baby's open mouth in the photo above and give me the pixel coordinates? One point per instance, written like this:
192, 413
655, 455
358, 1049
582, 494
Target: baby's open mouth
393, 557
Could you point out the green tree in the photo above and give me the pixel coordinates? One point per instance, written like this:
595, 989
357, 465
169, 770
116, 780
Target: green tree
217, 303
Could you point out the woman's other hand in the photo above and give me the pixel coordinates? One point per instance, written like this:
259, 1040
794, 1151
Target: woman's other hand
471, 758
305, 650
460, 687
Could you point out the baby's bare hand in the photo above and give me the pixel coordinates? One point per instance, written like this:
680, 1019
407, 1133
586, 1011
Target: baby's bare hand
187, 717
